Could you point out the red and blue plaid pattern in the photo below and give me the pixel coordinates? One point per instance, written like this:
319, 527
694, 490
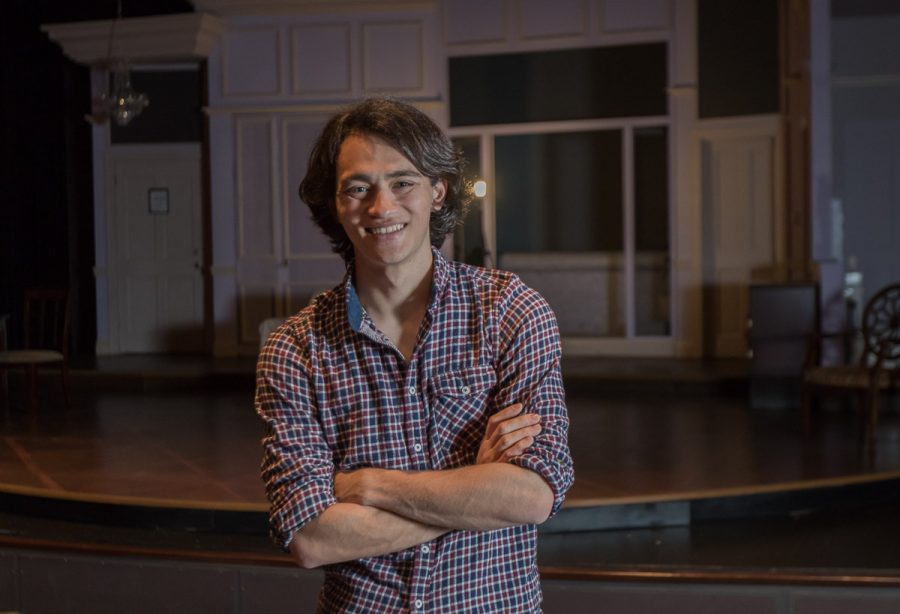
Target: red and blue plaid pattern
336, 395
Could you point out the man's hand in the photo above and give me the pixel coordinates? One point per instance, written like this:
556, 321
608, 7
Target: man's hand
352, 486
508, 434
491, 494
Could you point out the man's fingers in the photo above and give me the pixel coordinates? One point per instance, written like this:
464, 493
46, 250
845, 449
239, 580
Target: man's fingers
511, 439
506, 413
514, 424
519, 448
510, 411
509, 433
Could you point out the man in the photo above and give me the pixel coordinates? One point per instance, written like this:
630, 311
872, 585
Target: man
416, 430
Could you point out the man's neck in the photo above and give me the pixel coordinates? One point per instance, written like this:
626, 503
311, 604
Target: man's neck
396, 299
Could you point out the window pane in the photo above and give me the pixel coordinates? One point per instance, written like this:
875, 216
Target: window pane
559, 192
468, 240
621, 81
559, 224
651, 228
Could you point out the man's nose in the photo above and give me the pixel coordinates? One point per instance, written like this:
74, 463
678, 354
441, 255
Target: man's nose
382, 203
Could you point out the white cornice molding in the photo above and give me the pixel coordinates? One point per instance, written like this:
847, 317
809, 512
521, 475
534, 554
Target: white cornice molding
278, 7
180, 37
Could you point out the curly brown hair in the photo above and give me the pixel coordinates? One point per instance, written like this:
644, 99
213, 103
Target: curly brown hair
410, 132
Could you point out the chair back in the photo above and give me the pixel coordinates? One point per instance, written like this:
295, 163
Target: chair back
881, 325
47, 319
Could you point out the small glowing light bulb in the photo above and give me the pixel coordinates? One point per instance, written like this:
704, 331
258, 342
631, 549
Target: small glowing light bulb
480, 189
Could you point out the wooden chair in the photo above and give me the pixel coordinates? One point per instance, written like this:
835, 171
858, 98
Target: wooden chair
46, 341
877, 369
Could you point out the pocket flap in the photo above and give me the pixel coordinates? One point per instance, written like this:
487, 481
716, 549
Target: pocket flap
464, 382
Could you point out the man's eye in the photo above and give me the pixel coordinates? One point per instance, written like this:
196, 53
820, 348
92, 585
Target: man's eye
403, 185
356, 191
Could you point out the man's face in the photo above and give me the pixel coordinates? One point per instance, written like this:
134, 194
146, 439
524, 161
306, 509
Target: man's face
384, 204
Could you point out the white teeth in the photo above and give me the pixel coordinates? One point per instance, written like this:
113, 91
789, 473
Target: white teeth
386, 229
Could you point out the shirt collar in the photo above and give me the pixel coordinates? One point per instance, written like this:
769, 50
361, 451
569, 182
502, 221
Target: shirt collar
355, 311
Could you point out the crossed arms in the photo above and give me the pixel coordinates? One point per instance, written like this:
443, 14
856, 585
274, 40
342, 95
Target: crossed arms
381, 511
520, 474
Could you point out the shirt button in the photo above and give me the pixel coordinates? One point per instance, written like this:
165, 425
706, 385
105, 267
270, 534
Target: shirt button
418, 603
465, 390
412, 391
417, 447
425, 549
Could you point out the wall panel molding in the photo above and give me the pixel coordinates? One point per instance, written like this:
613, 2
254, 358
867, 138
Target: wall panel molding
392, 57
467, 22
255, 187
568, 19
635, 15
251, 62
314, 46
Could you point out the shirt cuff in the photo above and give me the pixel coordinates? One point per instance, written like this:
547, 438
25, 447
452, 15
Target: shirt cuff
298, 509
557, 472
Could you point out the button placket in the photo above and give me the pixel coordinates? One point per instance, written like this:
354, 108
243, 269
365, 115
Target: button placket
413, 394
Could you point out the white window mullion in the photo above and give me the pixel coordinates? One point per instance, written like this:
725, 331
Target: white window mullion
488, 202
628, 228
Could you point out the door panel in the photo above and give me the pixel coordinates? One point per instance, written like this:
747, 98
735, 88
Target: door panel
738, 201
157, 275
284, 258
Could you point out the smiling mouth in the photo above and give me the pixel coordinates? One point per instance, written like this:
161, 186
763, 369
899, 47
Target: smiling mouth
384, 230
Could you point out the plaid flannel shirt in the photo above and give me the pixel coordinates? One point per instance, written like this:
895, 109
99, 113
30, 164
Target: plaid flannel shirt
336, 395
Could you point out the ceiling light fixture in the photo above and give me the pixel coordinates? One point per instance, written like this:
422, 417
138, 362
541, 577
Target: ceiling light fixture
118, 99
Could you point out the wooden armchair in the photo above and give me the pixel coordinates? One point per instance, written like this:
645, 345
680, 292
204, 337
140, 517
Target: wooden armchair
46, 341
877, 369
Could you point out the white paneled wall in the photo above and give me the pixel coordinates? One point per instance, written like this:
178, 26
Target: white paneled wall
311, 43
275, 78
322, 58
251, 62
273, 83
635, 15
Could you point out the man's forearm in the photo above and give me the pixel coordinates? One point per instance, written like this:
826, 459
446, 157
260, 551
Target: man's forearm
346, 531
480, 497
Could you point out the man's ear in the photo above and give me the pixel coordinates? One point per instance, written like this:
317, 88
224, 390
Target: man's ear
438, 193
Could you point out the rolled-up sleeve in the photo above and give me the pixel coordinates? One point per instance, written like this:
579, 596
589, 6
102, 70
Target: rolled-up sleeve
297, 466
529, 373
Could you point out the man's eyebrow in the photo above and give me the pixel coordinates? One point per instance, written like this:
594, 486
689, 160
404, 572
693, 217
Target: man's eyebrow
405, 172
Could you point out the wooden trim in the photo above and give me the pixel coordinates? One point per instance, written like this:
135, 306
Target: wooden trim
275, 559
718, 575
673, 575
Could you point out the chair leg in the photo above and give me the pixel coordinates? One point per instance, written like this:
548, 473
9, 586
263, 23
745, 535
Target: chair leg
31, 386
806, 405
872, 409
67, 394
4, 383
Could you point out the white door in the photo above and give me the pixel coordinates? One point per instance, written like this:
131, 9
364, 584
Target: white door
156, 273
738, 210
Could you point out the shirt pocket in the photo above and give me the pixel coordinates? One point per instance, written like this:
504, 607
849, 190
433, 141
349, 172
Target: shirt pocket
460, 409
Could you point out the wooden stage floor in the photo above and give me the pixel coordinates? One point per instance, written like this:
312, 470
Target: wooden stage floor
154, 432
